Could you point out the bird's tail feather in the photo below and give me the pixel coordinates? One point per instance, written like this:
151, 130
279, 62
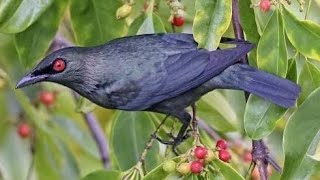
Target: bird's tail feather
270, 87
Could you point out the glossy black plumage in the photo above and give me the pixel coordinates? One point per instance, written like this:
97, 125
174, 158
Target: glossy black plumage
160, 72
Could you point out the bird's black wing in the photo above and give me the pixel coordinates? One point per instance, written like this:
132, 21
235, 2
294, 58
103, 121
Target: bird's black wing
177, 73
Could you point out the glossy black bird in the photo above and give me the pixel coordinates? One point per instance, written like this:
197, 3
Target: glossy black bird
162, 73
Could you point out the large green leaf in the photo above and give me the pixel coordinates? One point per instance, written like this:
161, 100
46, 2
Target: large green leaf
292, 70
272, 50
15, 155
130, 133
69, 130
33, 43
211, 21
53, 160
227, 171
300, 136
7, 8
146, 24
102, 175
249, 27
260, 117
304, 35
94, 21
17, 15
217, 111
309, 80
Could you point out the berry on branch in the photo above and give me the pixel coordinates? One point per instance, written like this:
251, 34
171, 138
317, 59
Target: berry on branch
196, 167
24, 130
200, 152
221, 144
224, 155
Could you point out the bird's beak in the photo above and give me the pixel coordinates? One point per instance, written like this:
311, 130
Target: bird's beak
30, 79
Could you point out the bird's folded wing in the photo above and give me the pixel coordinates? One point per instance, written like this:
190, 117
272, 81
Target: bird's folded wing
179, 73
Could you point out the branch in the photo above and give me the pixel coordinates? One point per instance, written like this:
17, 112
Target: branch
260, 152
94, 127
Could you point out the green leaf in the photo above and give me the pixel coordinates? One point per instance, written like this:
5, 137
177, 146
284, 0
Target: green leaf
227, 171
33, 43
152, 24
130, 133
272, 50
53, 160
7, 9
103, 175
12, 146
303, 35
299, 135
211, 22
223, 109
292, 70
249, 27
68, 128
95, 22
18, 15
260, 117
158, 172
146, 24
309, 80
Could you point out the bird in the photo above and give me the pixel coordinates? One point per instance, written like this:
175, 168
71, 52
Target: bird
163, 73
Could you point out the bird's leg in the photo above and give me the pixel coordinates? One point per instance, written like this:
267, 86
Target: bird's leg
185, 119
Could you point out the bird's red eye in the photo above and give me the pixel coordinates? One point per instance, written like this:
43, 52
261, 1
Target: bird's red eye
59, 65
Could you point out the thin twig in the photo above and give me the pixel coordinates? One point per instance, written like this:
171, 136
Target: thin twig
93, 125
208, 129
260, 153
99, 137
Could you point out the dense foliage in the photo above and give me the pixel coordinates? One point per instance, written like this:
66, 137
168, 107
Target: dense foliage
44, 130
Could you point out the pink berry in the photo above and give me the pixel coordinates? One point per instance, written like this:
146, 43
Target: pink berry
24, 130
224, 155
196, 167
200, 152
221, 144
265, 5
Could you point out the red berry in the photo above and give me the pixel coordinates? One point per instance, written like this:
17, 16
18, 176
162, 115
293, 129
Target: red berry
200, 152
178, 21
265, 5
224, 155
196, 167
47, 98
221, 144
24, 130
247, 156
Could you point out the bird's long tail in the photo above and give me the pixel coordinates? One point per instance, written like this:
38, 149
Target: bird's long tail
270, 87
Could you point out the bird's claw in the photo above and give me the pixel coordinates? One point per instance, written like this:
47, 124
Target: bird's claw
175, 142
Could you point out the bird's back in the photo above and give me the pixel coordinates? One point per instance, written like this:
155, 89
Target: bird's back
140, 71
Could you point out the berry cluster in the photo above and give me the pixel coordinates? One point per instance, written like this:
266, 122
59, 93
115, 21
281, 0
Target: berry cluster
197, 159
177, 13
222, 147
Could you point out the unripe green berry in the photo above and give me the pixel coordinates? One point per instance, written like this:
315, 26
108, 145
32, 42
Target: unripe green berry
124, 11
169, 166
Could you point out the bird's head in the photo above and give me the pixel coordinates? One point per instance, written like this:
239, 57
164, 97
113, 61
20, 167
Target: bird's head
63, 67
